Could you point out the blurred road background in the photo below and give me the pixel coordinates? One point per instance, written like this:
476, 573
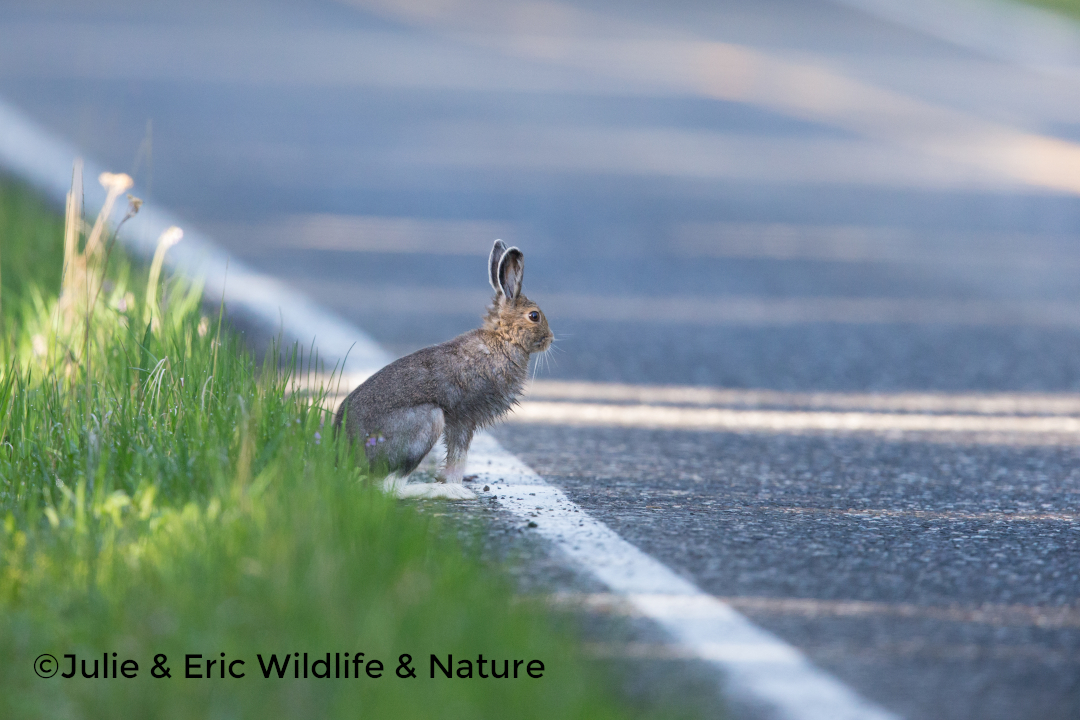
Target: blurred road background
849, 215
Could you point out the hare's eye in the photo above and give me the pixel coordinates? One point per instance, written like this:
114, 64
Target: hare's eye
534, 316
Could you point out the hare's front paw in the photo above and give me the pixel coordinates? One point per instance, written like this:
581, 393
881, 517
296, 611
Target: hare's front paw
448, 491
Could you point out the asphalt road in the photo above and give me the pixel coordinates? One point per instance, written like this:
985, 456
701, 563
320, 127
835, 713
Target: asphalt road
789, 195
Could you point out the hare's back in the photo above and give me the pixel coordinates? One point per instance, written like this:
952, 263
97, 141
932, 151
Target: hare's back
422, 378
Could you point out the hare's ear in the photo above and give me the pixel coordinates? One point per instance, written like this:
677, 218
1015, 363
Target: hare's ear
511, 272
497, 251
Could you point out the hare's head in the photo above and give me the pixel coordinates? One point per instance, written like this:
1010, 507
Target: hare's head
514, 318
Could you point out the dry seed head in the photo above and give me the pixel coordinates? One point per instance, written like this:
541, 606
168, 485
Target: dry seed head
170, 237
116, 182
134, 205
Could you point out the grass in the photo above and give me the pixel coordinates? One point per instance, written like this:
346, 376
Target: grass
32, 255
160, 495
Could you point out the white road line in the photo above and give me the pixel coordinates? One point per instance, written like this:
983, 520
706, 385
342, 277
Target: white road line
757, 666
971, 429
682, 418
990, 403
972, 403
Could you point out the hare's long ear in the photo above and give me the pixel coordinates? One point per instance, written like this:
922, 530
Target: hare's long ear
511, 272
497, 252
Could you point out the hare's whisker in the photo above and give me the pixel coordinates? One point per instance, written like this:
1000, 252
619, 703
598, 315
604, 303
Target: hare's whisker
548, 358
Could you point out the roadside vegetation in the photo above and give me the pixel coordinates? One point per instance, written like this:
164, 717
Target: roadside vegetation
162, 496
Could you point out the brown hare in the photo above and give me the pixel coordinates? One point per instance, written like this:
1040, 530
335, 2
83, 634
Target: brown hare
451, 389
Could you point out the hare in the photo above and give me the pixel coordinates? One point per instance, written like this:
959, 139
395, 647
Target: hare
451, 389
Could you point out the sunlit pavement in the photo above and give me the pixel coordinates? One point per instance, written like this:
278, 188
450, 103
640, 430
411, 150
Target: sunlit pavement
790, 197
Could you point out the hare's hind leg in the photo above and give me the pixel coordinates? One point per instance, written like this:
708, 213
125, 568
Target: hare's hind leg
450, 486
409, 436
406, 437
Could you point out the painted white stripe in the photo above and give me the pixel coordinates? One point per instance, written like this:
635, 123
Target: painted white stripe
681, 418
1003, 403
757, 665
977, 403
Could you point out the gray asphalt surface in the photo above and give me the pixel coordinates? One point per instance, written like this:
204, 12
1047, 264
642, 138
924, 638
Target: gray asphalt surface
368, 152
